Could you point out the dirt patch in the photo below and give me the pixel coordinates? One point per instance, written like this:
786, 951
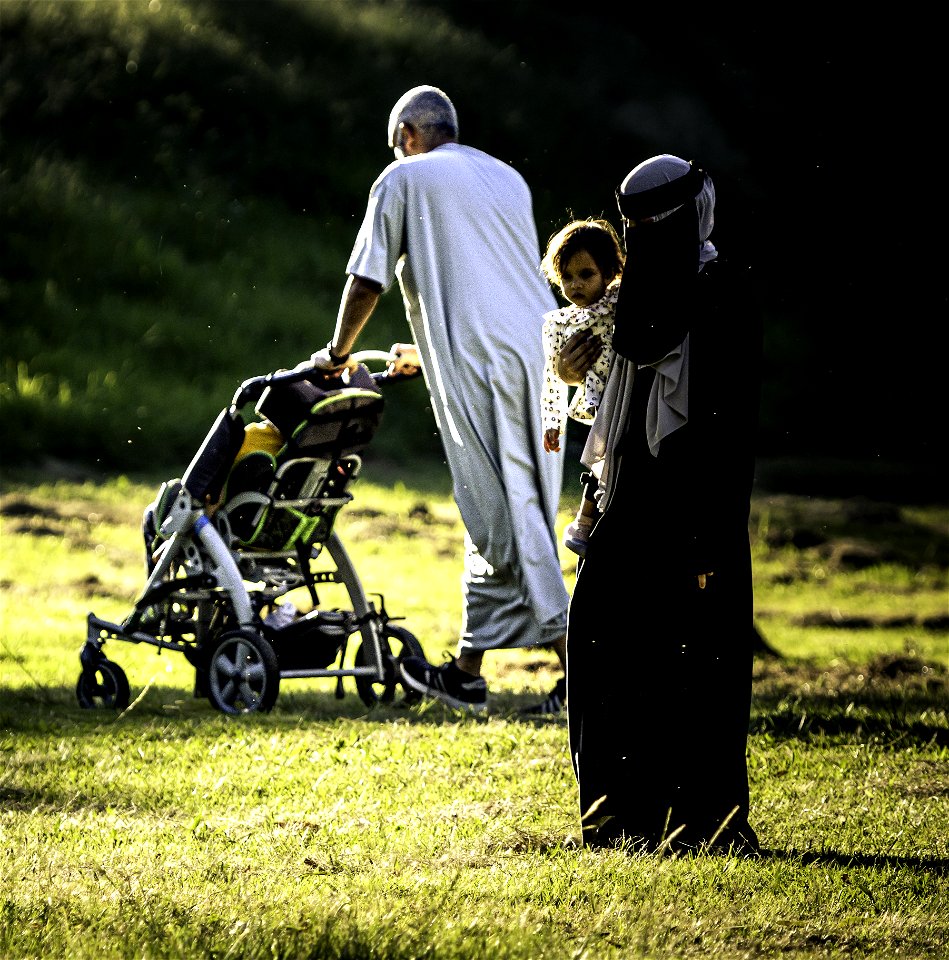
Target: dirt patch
887, 673
441, 534
834, 618
19, 507
850, 534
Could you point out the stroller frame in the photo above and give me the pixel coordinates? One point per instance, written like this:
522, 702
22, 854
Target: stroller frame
218, 559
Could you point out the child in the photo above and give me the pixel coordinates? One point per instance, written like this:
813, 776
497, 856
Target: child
585, 260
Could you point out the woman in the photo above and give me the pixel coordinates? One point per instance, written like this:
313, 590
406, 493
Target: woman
659, 648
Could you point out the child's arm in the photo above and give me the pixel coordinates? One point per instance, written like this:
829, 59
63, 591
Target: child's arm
553, 400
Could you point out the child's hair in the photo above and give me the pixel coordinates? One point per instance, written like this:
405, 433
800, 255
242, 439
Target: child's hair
597, 237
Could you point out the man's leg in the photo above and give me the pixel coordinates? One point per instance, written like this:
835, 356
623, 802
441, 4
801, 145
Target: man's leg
470, 661
560, 648
556, 700
492, 609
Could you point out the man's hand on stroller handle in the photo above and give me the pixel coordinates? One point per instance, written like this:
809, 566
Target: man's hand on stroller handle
404, 360
325, 360
401, 359
251, 390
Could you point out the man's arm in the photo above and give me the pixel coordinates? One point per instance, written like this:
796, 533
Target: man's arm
359, 299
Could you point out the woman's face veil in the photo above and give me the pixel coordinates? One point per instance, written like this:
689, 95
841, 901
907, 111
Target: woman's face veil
662, 186
661, 226
667, 206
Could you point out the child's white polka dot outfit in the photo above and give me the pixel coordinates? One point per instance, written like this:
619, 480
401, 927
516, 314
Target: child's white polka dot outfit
559, 326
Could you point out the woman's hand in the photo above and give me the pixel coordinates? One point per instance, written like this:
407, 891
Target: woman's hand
552, 440
578, 355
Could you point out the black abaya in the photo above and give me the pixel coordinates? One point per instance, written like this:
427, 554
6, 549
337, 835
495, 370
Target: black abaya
659, 671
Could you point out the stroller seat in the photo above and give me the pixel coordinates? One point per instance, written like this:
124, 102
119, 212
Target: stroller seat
291, 475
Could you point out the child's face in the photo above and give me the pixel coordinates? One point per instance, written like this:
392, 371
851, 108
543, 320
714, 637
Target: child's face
581, 280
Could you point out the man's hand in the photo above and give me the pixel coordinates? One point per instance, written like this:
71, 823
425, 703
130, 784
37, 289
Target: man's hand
321, 361
405, 360
578, 355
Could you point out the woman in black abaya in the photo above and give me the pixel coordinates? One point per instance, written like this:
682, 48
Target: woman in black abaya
660, 633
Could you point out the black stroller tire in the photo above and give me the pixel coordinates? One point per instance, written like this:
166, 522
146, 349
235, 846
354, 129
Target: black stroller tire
397, 644
105, 685
243, 673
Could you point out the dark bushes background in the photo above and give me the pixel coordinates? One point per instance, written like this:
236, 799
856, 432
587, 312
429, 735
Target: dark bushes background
182, 182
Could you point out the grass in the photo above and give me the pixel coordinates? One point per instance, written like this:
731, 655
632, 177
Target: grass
325, 829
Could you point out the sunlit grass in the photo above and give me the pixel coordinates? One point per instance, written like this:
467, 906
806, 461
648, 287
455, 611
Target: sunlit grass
329, 829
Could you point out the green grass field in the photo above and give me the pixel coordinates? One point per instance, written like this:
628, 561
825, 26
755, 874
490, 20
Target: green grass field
325, 829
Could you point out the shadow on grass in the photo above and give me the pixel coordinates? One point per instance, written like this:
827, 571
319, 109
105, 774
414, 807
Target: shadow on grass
56, 707
788, 703
899, 700
887, 729
831, 858
896, 701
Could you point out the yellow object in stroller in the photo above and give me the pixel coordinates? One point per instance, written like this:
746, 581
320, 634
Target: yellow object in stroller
251, 520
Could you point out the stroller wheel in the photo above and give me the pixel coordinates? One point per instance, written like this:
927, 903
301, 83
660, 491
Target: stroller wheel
243, 673
396, 644
103, 686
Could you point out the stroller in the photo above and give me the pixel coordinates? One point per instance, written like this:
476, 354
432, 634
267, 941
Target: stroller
250, 521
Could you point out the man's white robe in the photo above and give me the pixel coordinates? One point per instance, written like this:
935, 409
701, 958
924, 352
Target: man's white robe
455, 226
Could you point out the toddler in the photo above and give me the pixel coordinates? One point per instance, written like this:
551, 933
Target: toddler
585, 260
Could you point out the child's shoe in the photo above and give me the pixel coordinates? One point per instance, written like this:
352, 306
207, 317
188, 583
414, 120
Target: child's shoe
577, 535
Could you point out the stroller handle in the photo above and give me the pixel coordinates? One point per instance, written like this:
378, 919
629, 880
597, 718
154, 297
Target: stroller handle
387, 357
361, 356
252, 389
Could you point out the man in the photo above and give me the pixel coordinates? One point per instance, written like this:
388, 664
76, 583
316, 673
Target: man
659, 744
455, 226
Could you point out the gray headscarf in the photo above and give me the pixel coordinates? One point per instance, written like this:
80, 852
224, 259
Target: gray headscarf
668, 406
664, 169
